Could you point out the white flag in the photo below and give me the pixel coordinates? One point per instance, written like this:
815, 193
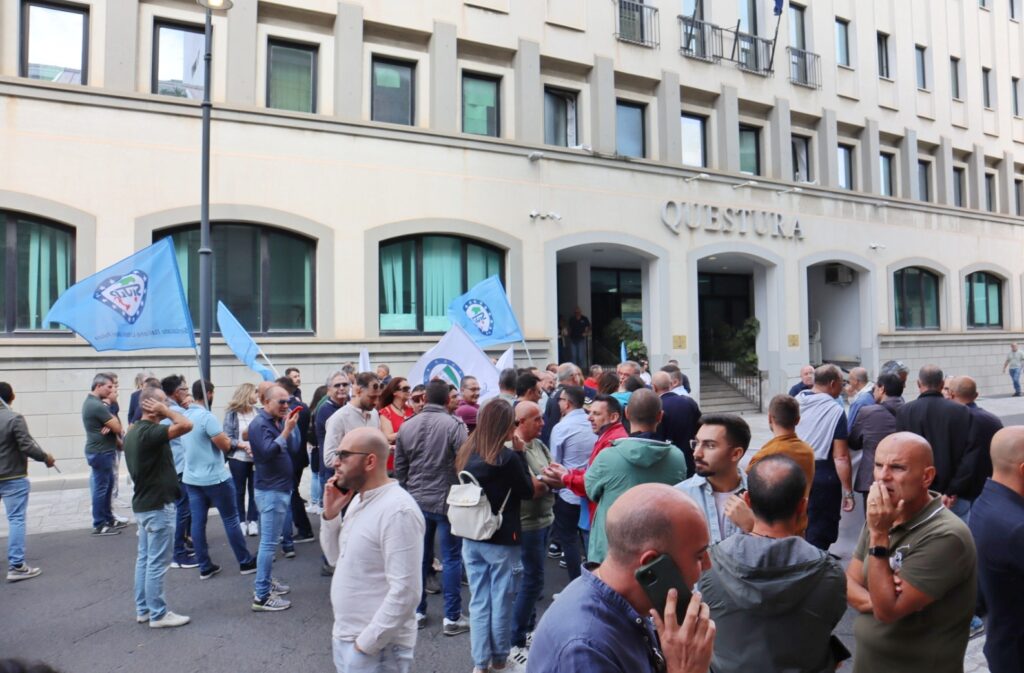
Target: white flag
506, 361
454, 357
364, 360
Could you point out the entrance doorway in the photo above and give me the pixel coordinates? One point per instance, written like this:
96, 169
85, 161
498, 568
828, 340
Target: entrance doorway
834, 296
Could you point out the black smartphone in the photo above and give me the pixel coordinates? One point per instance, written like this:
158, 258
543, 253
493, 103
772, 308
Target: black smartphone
343, 491
657, 577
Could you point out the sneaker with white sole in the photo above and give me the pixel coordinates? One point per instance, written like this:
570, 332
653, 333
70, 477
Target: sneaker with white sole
421, 620
189, 562
518, 655
121, 519
272, 603
169, 620
21, 572
299, 539
247, 568
209, 572
278, 587
142, 619
119, 523
454, 628
252, 529
105, 530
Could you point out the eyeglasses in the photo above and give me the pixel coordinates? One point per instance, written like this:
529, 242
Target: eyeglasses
373, 386
417, 398
279, 401
405, 389
340, 385
706, 444
342, 455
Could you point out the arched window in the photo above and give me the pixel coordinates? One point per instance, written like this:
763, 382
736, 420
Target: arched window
420, 275
37, 263
265, 276
984, 300
916, 294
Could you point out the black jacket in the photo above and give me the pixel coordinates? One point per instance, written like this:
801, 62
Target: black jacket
984, 424
947, 427
874, 423
509, 477
679, 424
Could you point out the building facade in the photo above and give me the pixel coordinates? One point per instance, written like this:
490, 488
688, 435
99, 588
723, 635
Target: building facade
844, 173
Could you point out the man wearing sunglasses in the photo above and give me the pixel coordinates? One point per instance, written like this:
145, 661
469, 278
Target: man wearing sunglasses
360, 412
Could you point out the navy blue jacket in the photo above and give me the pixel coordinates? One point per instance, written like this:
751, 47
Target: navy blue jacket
679, 424
984, 425
271, 455
997, 524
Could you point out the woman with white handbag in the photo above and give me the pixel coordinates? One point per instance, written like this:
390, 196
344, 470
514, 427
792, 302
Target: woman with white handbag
492, 560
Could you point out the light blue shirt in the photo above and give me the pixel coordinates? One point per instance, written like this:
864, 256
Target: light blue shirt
699, 488
204, 462
862, 399
177, 448
572, 442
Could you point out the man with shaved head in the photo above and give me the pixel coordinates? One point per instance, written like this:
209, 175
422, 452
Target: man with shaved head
984, 426
376, 548
599, 621
859, 391
638, 459
805, 382
681, 414
913, 573
997, 523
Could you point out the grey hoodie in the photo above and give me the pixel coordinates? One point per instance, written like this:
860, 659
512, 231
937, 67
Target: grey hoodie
775, 603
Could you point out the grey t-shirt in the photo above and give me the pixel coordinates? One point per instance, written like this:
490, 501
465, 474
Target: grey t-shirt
95, 414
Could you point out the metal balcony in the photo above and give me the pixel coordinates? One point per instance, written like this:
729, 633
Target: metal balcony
637, 23
752, 53
804, 68
700, 40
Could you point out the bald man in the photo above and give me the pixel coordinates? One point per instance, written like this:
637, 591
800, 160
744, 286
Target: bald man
997, 523
680, 417
984, 426
598, 622
805, 382
377, 549
921, 621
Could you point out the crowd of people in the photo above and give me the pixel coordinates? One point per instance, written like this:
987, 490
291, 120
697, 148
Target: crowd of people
685, 550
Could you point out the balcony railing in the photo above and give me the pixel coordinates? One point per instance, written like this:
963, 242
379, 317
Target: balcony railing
700, 39
637, 23
804, 68
752, 53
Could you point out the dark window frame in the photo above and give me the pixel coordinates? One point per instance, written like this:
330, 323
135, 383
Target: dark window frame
60, 6
263, 231
882, 49
921, 67
486, 77
890, 159
990, 279
417, 239
847, 52
956, 90
757, 130
703, 135
9, 230
847, 150
406, 63
311, 47
642, 107
924, 190
922, 273
161, 22
566, 94
959, 185
986, 88
991, 196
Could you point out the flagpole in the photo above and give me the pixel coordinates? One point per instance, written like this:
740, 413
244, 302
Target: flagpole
527, 349
202, 379
268, 361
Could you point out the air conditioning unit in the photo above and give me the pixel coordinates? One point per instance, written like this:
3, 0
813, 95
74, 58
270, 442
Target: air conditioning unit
838, 274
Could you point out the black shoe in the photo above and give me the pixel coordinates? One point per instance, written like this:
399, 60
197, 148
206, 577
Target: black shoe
210, 572
303, 537
432, 585
289, 553
105, 530
118, 525
247, 568
326, 570
554, 551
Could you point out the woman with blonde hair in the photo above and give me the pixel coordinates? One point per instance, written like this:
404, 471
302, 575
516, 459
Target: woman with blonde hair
241, 410
495, 456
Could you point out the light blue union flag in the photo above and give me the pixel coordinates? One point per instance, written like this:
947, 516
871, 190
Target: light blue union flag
134, 304
453, 358
240, 343
485, 314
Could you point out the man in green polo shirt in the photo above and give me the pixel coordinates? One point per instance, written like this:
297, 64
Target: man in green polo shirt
913, 574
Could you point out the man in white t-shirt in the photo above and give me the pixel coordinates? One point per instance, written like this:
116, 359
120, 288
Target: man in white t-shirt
722, 440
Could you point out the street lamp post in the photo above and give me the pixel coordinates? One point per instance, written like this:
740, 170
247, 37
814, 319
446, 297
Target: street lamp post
205, 249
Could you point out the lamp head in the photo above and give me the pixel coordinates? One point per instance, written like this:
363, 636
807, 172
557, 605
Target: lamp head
216, 5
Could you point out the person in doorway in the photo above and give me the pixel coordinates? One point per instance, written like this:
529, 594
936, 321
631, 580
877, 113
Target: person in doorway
1014, 362
579, 329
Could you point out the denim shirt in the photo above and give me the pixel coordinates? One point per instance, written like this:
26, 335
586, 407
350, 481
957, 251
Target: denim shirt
572, 442
593, 628
699, 488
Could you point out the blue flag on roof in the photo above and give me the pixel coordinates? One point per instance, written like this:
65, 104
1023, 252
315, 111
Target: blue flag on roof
778, 7
136, 303
485, 314
240, 343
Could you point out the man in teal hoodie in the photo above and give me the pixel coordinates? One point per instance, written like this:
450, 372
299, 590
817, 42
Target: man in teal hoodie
637, 459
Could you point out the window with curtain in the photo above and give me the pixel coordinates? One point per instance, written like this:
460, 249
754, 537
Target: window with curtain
291, 76
393, 97
265, 276
420, 275
36, 266
178, 66
56, 39
801, 151
916, 298
984, 300
480, 105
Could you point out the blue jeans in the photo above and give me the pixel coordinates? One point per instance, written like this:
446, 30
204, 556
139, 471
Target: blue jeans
566, 532
242, 474
493, 571
221, 496
578, 352
155, 530
451, 559
14, 494
1015, 377
524, 612
101, 484
273, 515
182, 522
391, 659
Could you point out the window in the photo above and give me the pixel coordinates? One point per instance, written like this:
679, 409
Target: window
36, 265
924, 181
1018, 197
55, 42
481, 105
990, 192
629, 129
1014, 9
178, 65
291, 76
986, 87
959, 184
846, 166
954, 77
750, 150
922, 69
916, 297
393, 91
984, 300
842, 41
882, 43
265, 276
560, 117
885, 172
801, 149
983, 4
420, 275
748, 16
694, 139
1015, 89
797, 26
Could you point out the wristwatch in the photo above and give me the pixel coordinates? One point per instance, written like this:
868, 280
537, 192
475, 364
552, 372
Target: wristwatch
847, 495
880, 551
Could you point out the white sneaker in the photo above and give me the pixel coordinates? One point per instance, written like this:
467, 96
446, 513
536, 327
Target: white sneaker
168, 620
252, 529
518, 655
121, 519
